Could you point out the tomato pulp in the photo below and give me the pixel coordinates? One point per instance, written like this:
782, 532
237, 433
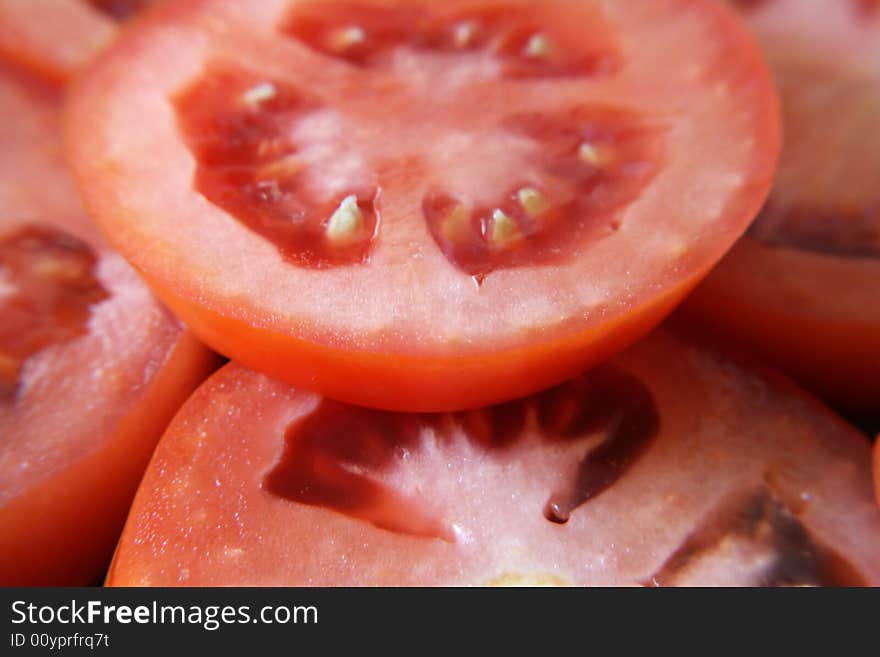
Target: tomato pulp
801, 288
668, 465
91, 366
425, 206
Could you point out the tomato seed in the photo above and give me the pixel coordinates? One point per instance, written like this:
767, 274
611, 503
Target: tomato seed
532, 201
258, 94
346, 224
537, 47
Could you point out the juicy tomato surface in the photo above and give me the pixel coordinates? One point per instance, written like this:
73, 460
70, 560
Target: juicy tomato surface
802, 287
92, 367
425, 206
668, 465
877, 467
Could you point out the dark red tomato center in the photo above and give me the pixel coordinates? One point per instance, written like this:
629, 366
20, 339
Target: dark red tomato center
756, 520
862, 8
343, 457
502, 185
120, 9
47, 288
826, 197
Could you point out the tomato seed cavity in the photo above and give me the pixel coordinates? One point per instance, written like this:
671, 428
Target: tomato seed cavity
47, 288
763, 532
340, 457
120, 9
502, 189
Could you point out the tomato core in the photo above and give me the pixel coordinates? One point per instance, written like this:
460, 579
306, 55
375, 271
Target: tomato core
500, 188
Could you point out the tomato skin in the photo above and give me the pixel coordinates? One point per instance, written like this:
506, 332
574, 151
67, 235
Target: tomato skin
392, 362
466, 508
813, 311
81, 421
803, 313
399, 382
62, 531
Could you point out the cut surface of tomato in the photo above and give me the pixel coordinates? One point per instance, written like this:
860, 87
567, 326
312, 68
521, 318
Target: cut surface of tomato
91, 366
668, 465
55, 38
802, 286
421, 206
877, 467
52, 38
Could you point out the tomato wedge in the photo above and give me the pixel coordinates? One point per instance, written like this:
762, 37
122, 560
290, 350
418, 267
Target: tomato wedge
801, 288
92, 367
669, 465
425, 206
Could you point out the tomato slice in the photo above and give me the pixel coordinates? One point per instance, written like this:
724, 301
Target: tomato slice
669, 465
91, 366
425, 206
801, 287
55, 38
877, 467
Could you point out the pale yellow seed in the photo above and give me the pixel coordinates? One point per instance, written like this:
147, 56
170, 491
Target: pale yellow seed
346, 37
594, 155
259, 94
284, 167
58, 268
514, 579
538, 46
455, 225
346, 223
532, 201
502, 229
463, 34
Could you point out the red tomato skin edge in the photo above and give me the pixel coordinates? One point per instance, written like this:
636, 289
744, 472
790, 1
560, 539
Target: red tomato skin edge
42, 542
831, 356
399, 382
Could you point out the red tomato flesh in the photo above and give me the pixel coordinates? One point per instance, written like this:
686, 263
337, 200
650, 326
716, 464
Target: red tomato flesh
801, 288
670, 465
420, 206
91, 366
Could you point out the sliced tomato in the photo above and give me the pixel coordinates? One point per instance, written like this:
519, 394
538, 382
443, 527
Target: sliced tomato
877, 467
425, 206
54, 38
801, 288
669, 465
91, 366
